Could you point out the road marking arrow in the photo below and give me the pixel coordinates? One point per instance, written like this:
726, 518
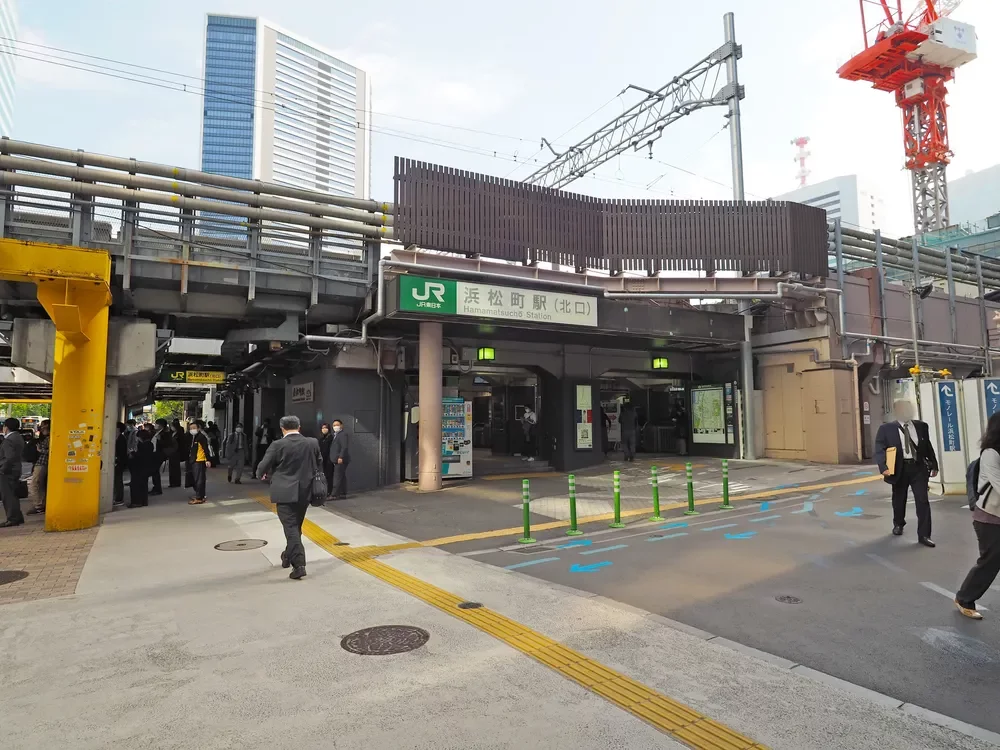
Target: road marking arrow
852, 513
576, 543
744, 535
681, 525
589, 568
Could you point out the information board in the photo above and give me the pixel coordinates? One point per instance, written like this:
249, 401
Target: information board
708, 415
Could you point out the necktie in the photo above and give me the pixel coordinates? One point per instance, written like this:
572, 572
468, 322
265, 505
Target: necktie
910, 447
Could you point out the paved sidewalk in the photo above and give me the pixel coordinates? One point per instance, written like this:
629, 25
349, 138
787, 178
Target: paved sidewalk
169, 643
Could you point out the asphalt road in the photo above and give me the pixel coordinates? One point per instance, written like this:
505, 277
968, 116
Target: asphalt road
867, 607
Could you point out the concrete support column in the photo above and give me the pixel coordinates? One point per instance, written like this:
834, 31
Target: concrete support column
112, 410
429, 450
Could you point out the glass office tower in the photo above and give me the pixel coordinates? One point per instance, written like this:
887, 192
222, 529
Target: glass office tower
279, 108
8, 32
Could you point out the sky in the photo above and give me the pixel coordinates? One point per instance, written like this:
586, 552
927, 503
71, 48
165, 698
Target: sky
477, 85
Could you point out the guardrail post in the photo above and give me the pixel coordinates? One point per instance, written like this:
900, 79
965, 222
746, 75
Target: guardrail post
617, 523
526, 513
655, 481
573, 530
725, 486
690, 483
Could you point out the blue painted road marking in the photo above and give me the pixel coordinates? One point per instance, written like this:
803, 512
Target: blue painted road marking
765, 518
826, 490
861, 492
806, 508
723, 526
576, 543
666, 536
530, 562
864, 473
681, 525
765, 506
604, 549
814, 497
744, 535
852, 513
589, 568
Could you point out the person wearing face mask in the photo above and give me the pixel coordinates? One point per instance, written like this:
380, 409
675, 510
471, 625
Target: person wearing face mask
11, 454
235, 453
340, 457
325, 441
200, 453
40, 471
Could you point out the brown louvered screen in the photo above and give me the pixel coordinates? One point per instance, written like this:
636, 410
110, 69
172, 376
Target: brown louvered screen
451, 210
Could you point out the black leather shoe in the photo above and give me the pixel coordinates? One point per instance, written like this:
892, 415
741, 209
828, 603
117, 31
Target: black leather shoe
927, 542
897, 531
284, 560
10, 524
297, 573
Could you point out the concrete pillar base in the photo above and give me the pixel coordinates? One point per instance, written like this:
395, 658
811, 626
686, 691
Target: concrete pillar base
429, 451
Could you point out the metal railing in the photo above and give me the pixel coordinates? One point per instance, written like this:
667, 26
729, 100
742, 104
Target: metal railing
163, 221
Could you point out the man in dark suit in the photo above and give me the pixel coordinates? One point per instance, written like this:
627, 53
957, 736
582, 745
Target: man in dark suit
915, 464
11, 455
340, 457
290, 464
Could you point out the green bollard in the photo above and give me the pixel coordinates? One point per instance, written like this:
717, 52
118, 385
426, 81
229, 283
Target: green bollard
725, 487
618, 502
573, 530
655, 481
690, 511
526, 512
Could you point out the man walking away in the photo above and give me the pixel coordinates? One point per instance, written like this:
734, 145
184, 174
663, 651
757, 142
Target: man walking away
289, 465
174, 459
986, 522
914, 464
11, 452
38, 484
235, 453
131, 437
629, 421
121, 461
198, 457
340, 457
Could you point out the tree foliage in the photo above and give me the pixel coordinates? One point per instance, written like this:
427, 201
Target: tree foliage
26, 410
168, 410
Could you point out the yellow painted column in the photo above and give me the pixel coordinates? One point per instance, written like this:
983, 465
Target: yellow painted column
79, 310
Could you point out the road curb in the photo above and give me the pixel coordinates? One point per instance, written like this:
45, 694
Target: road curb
886, 701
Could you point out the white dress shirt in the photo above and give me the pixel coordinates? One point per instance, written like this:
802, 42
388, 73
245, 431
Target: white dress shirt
912, 429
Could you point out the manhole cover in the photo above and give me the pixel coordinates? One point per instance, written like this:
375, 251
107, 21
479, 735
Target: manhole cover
785, 599
238, 545
469, 605
384, 639
9, 576
397, 511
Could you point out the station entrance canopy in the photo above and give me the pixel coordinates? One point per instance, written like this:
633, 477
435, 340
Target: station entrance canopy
455, 211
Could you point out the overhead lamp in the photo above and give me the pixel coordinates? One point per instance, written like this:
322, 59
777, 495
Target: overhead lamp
661, 363
486, 354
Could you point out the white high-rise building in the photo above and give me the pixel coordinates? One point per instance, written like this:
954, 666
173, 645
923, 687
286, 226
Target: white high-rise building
8, 67
279, 108
975, 197
842, 198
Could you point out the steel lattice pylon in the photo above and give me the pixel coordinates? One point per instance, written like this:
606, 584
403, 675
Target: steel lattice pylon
704, 84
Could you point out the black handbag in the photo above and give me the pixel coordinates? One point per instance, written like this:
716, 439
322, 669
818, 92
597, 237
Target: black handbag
319, 488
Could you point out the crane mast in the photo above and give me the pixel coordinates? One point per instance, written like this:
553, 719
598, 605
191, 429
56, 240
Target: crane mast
914, 57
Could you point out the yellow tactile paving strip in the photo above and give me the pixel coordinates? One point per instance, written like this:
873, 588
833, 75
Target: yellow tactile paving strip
673, 718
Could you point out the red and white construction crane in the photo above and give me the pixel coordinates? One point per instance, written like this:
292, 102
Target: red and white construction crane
914, 56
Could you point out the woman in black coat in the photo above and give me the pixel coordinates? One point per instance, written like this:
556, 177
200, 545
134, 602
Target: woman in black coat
325, 441
143, 465
180, 451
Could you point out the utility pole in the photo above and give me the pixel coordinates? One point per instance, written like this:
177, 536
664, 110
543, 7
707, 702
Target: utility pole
739, 194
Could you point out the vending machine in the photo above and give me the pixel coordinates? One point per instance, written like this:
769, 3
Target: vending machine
456, 438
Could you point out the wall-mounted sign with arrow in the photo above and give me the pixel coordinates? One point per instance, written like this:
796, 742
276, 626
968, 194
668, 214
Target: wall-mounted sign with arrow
948, 403
991, 390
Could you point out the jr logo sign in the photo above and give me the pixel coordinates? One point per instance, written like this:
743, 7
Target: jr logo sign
427, 295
